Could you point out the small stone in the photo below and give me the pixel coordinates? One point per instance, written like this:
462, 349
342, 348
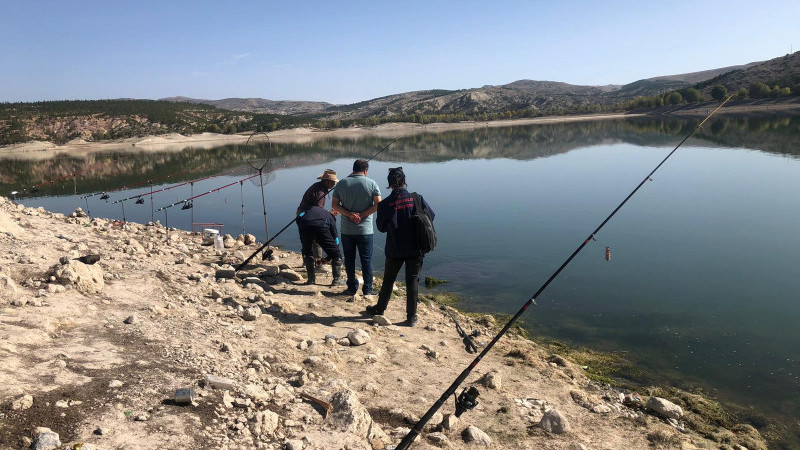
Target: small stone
22, 403
130, 320
226, 273
577, 446
475, 434
381, 320
19, 302
45, 439
100, 431
220, 383
343, 341
62, 404
252, 313
492, 380
113, 384
601, 409
449, 422
142, 417
358, 337
664, 408
555, 422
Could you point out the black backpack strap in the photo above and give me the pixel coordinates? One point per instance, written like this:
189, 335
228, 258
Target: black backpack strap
417, 202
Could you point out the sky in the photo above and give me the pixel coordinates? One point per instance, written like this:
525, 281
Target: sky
350, 51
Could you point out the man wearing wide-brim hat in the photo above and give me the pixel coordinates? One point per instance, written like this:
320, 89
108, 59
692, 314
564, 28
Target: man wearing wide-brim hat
317, 225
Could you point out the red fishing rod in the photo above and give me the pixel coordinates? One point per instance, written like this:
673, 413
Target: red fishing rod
466, 400
188, 202
127, 186
173, 186
35, 188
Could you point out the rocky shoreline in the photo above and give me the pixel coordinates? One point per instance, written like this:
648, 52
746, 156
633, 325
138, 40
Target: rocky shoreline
93, 354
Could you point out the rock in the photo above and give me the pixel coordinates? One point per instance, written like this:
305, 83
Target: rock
100, 431
7, 286
295, 444
19, 302
270, 271
344, 341
554, 422
358, 337
438, 439
130, 319
249, 239
381, 320
62, 404
79, 213
87, 279
45, 439
449, 422
252, 313
142, 417
266, 422
220, 383
577, 446
290, 275
349, 415
664, 408
492, 380
113, 384
22, 403
475, 434
602, 409
229, 242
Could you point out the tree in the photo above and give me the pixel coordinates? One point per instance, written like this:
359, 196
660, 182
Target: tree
741, 94
692, 95
674, 98
719, 92
759, 90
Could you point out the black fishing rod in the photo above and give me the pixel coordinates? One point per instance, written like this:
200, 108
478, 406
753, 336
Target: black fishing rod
409, 438
266, 244
104, 194
35, 188
468, 339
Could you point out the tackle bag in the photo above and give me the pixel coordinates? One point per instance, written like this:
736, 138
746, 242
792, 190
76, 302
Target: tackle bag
424, 232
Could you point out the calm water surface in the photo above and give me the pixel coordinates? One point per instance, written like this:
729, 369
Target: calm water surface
702, 288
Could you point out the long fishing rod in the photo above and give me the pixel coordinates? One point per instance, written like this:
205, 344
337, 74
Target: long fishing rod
409, 438
173, 186
266, 244
141, 183
185, 201
35, 188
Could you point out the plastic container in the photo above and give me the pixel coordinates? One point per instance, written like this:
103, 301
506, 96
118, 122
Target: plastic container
209, 234
218, 243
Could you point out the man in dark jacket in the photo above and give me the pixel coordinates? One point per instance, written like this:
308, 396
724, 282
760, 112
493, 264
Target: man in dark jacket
318, 224
394, 219
314, 227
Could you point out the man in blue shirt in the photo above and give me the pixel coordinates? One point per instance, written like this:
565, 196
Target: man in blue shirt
356, 198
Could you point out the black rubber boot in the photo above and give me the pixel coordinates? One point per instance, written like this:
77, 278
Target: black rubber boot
336, 270
309, 263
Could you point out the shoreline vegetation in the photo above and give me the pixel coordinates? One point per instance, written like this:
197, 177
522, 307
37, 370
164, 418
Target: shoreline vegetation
175, 142
111, 341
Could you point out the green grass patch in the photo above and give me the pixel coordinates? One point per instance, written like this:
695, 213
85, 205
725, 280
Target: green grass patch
433, 282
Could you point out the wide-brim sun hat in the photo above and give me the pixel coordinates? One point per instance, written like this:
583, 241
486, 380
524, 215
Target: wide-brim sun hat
329, 175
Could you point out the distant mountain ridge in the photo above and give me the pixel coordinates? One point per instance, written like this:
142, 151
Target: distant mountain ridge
548, 97
258, 105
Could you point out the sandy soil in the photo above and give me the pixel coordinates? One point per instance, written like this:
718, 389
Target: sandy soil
96, 380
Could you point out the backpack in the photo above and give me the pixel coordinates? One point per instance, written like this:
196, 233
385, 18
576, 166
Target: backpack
424, 233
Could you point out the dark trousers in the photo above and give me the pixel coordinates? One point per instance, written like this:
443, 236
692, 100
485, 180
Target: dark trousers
413, 269
362, 242
323, 237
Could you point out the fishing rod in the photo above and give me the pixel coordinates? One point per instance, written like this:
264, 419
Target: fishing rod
187, 202
266, 244
173, 186
409, 438
468, 339
35, 188
104, 194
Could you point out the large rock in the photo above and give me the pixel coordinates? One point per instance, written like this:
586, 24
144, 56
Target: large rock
476, 435
492, 380
7, 286
266, 422
87, 279
349, 414
554, 422
251, 313
45, 439
249, 239
22, 403
664, 408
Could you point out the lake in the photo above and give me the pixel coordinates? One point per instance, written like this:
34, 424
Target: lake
702, 287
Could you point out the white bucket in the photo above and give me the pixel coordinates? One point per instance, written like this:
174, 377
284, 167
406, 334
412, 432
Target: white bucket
209, 234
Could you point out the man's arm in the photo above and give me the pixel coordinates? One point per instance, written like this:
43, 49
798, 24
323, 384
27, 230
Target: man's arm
336, 204
375, 200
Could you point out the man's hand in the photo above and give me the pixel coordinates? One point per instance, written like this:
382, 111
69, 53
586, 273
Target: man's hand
355, 217
334, 212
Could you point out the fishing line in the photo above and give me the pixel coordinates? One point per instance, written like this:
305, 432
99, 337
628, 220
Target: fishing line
409, 438
173, 186
35, 188
266, 244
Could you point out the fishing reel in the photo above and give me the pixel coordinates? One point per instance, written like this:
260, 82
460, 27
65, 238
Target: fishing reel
469, 342
34, 189
105, 196
267, 255
187, 205
140, 201
466, 400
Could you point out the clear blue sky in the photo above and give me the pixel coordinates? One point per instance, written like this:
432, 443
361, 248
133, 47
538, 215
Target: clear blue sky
343, 52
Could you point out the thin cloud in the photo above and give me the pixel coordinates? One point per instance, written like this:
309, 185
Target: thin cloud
241, 56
